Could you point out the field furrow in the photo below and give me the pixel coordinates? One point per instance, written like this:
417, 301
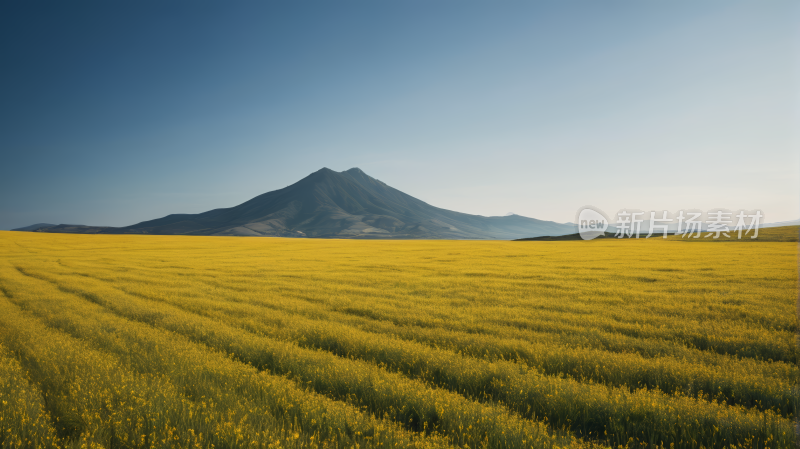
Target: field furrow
388, 395
658, 330
592, 411
743, 382
24, 420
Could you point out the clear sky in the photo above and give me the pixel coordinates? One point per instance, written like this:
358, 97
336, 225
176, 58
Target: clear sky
117, 112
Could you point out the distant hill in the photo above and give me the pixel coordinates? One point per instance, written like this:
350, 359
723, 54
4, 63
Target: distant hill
767, 234
330, 204
75, 229
782, 224
34, 227
562, 238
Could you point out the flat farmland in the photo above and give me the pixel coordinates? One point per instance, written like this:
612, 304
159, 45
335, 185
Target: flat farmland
166, 341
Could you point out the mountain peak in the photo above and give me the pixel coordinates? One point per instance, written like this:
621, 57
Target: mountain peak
347, 204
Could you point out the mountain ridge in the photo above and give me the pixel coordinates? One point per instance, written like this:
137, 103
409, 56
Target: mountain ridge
348, 204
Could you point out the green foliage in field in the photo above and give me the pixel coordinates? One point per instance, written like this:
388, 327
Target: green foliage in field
134, 341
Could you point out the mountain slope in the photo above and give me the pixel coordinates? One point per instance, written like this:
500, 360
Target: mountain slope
34, 227
347, 204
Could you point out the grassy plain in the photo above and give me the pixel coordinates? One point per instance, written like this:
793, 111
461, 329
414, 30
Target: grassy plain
160, 341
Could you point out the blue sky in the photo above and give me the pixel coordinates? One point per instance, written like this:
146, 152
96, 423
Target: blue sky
113, 113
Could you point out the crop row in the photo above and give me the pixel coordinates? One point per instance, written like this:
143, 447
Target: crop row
734, 381
24, 422
663, 333
592, 410
388, 395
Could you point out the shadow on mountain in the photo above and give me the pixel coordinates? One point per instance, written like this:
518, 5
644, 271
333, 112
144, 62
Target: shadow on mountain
329, 204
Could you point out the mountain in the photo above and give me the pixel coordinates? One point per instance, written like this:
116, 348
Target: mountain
781, 224
75, 229
347, 204
34, 227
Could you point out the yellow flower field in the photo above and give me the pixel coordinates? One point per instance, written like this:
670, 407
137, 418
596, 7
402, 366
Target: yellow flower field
171, 341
